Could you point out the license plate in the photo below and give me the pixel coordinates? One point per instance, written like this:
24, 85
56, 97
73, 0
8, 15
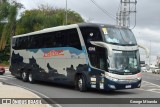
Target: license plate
128, 86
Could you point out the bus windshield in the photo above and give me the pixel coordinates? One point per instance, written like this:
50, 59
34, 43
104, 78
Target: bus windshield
120, 36
124, 62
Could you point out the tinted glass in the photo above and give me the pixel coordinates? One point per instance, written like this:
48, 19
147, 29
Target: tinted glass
64, 38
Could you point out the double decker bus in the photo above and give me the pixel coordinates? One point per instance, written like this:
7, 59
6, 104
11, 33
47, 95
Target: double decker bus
86, 55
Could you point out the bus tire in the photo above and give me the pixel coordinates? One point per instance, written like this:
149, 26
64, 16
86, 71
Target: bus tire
31, 78
24, 76
81, 83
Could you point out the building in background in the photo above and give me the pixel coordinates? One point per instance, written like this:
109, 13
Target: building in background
158, 61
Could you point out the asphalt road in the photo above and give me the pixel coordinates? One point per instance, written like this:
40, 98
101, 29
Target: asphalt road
150, 89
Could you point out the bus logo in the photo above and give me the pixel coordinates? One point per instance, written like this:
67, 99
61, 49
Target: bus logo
53, 53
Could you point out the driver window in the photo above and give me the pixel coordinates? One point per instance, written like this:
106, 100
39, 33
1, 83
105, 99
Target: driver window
97, 55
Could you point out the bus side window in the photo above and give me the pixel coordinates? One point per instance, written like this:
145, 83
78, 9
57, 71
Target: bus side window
67, 38
24, 42
33, 42
59, 39
15, 46
73, 39
14, 43
37, 41
21, 43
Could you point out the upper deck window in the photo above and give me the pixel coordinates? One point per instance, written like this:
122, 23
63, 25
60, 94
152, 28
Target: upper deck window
62, 38
119, 36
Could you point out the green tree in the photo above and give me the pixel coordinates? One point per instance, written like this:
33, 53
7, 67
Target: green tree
44, 17
3, 9
8, 14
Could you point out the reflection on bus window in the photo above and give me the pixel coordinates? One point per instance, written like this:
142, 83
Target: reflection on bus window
119, 36
124, 61
111, 36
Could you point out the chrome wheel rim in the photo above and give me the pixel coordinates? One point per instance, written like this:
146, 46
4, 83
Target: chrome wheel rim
80, 83
30, 77
24, 75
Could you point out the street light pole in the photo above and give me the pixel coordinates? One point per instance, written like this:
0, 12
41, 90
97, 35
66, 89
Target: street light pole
150, 54
66, 11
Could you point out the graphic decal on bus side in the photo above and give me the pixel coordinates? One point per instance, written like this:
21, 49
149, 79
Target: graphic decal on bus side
53, 53
40, 72
73, 58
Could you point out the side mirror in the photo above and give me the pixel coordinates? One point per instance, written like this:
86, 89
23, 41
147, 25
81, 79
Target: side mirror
146, 50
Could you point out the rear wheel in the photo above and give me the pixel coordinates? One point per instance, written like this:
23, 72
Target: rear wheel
24, 76
31, 78
81, 83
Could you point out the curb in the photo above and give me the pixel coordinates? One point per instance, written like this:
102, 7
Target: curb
36, 93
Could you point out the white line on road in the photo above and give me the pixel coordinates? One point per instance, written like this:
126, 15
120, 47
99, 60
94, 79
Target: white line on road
7, 77
151, 86
152, 83
153, 89
57, 105
3, 79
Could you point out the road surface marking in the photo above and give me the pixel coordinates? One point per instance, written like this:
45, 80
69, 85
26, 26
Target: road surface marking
3, 78
6, 76
151, 87
152, 83
154, 90
56, 104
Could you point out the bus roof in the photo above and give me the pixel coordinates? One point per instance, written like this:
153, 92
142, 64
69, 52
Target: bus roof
65, 27
98, 25
49, 30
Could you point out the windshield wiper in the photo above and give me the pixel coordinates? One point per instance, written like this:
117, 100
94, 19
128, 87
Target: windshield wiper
114, 43
127, 44
132, 44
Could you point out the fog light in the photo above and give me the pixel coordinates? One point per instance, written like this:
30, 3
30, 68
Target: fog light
112, 86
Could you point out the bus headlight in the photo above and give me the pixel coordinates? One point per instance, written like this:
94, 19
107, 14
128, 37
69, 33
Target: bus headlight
139, 78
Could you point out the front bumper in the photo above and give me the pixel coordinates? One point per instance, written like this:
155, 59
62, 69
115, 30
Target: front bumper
112, 85
107, 84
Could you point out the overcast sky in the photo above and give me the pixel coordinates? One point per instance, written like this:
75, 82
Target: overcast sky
146, 31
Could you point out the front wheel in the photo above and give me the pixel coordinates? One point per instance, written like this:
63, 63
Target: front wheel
30, 78
81, 83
